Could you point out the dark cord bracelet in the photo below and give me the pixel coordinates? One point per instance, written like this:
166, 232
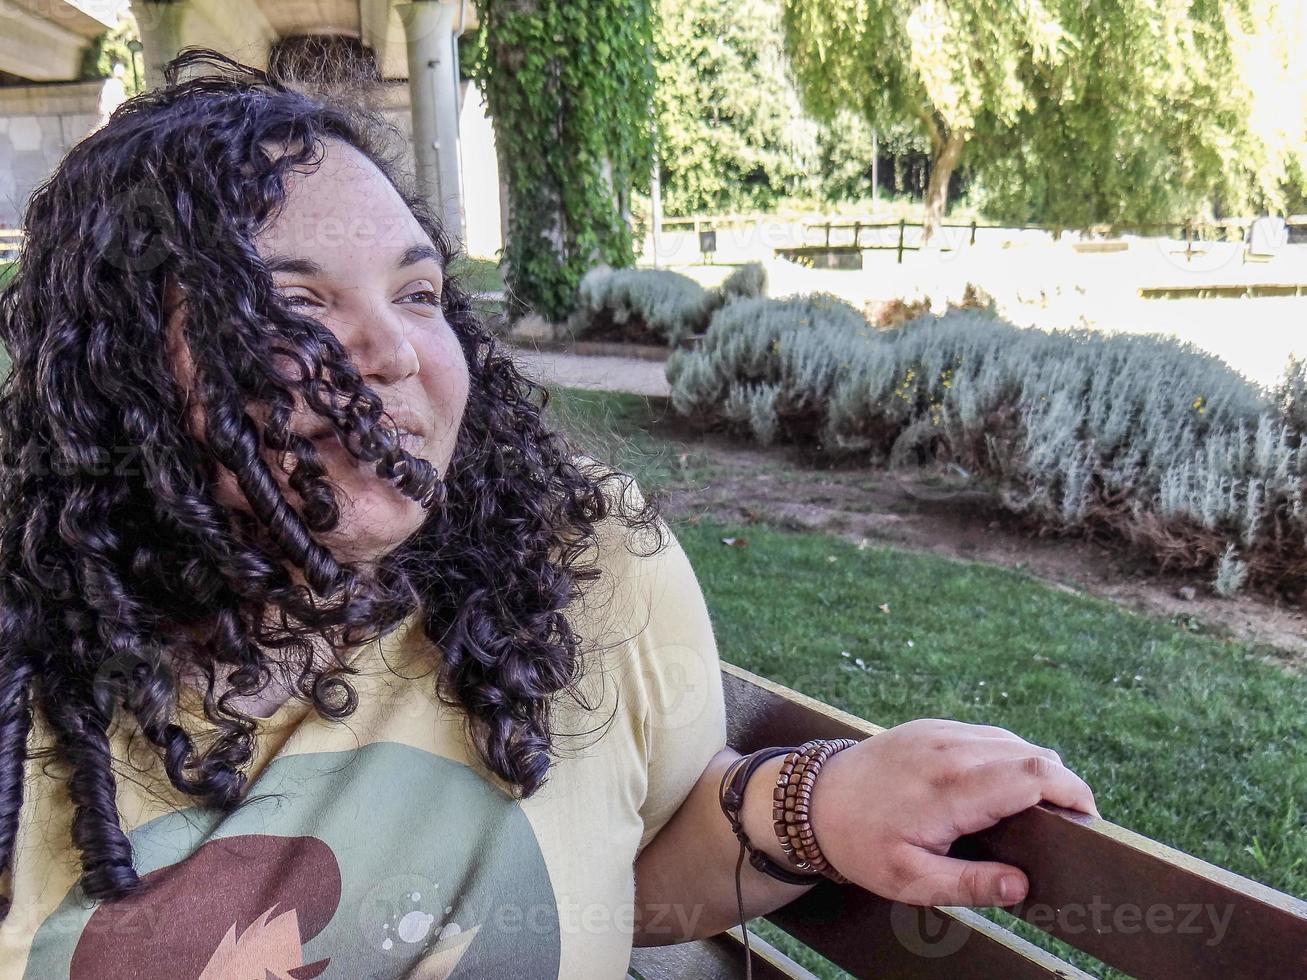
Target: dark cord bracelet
732, 800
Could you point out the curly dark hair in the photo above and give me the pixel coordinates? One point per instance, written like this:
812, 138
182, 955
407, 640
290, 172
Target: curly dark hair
118, 576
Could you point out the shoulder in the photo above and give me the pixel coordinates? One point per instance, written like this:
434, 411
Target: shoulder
649, 611
632, 551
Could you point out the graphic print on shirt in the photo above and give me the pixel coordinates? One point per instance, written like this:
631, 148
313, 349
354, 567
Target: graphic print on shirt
386, 861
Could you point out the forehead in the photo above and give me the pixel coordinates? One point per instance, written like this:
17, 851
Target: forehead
343, 205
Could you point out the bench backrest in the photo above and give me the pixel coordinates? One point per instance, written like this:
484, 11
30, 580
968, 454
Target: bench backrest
1137, 905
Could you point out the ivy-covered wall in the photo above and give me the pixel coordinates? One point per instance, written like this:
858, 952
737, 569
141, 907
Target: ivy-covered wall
569, 84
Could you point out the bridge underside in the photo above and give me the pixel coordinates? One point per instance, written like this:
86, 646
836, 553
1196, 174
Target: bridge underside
45, 106
45, 40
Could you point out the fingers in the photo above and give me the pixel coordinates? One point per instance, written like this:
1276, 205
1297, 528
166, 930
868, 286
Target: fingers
931, 879
956, 735
982, 751
986, 794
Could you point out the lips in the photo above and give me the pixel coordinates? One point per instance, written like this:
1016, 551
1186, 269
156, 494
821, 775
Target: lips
408, 428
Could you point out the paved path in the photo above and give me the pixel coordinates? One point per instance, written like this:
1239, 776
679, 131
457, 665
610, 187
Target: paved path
631, 374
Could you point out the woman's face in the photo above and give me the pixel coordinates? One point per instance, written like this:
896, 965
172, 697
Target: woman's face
346, 250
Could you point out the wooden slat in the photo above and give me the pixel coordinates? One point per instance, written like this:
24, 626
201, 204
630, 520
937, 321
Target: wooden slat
1093, 884
1098, 887
871, 937
719, 957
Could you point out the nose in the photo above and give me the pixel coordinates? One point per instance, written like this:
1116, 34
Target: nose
379, 343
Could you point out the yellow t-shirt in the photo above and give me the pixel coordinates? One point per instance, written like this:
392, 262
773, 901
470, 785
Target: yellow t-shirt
379, 846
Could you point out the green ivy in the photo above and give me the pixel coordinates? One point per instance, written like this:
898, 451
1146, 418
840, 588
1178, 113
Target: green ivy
569, 85
109, 50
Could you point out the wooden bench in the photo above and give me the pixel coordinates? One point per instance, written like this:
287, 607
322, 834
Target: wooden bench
1134, 904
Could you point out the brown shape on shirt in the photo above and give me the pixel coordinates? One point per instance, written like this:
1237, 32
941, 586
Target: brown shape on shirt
237, 908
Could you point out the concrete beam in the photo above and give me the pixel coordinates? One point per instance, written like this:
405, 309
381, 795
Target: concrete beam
67, 99
33, 47
292, 17
89, 18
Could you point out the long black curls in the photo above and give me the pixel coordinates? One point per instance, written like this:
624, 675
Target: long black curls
119, 571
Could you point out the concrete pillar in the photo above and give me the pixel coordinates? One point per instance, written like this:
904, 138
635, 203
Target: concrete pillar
429, 29
161, 35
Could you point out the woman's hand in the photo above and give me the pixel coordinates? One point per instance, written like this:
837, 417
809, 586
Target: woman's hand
886, 811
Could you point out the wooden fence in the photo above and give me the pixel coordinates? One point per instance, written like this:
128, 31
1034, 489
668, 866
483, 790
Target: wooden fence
843, 235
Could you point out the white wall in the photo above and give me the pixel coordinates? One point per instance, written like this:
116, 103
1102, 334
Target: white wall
480, 177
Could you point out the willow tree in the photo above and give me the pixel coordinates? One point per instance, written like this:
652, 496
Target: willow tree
1131, 110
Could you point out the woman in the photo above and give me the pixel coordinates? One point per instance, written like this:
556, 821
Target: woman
320, 653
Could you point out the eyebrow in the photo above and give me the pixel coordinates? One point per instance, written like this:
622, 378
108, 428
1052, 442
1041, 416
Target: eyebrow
307, 267
419, 253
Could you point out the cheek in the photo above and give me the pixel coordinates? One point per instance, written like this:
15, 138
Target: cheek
445, 377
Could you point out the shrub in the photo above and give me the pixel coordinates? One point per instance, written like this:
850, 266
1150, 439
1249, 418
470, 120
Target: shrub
748, 280
1291, 394
1230, 574
1138, 436
654, 306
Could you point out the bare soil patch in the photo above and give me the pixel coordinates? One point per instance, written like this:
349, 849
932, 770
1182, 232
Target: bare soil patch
915, 511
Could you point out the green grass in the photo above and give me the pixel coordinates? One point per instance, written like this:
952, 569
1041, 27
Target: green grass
479, 275
7, 270
1192, 740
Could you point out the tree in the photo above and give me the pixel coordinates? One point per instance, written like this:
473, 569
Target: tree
1184, 117
731, 131
1129, 109
569, 86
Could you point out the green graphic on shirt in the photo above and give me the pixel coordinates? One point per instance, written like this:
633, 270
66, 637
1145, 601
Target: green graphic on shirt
386, 861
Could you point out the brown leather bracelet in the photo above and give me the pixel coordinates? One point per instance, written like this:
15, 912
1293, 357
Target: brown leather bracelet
732, 799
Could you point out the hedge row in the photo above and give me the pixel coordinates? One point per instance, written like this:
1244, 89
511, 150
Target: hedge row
1140, 436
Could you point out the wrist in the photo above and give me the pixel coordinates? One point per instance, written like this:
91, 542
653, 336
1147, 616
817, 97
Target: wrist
756, 813
732, 793
825, 815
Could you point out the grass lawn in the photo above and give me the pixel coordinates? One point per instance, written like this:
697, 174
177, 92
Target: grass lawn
1192, 740
479, 275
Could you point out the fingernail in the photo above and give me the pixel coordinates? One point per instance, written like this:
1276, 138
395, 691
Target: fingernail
1010, 889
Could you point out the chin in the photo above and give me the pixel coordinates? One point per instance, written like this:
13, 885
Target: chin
374, 525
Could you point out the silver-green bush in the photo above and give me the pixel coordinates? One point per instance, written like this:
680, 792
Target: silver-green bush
749, 279
649, 305
1141, 436
654, 306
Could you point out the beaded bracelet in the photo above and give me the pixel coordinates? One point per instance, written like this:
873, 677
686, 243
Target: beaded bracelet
792, 801
732, 800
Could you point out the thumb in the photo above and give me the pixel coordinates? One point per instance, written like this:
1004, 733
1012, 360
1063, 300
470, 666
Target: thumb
953, 881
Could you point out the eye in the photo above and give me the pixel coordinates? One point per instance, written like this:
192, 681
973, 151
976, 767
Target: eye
422, 297
299, 300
